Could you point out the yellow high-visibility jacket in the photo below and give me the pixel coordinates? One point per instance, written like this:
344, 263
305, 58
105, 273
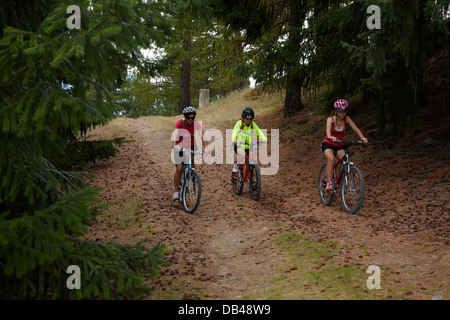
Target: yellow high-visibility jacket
243, 133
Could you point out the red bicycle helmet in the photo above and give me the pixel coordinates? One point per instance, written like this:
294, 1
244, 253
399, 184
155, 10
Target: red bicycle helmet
341, 105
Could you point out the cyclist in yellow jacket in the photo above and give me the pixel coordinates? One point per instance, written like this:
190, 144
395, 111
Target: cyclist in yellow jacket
242, 135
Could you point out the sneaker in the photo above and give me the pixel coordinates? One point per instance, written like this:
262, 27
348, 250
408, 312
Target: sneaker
329, 187
235, 167
176, 196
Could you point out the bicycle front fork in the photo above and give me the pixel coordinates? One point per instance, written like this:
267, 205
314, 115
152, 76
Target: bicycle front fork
347, 166
183, 178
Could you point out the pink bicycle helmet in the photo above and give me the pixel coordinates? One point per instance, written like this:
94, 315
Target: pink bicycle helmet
341, 105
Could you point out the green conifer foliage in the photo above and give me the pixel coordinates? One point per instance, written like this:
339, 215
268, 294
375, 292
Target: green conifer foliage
304, 45
55, 84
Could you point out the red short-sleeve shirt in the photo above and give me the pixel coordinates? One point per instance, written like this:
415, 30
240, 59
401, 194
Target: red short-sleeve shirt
187, 133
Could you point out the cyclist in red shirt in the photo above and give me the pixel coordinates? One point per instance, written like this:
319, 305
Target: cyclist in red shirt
336, 128
183, 138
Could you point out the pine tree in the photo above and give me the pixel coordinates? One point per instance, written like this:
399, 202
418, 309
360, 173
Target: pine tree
48, 75
217, 61
189, 14
394, 56
331, 26
279, 62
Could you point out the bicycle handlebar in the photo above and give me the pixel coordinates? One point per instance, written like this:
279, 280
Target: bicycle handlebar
194, 152
350, 143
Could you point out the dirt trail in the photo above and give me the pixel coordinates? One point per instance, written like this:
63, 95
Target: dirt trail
224, 251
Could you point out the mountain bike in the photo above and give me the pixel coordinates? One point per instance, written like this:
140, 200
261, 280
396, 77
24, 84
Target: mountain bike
248, 171
347, 178
191, 185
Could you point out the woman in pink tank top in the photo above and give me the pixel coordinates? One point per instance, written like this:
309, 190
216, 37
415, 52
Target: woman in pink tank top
336, 128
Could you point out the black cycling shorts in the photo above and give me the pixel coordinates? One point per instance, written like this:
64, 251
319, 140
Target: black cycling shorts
325, 146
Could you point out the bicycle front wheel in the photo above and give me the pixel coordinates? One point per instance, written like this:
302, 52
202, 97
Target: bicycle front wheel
325, 197
255, 182
191, 192
352, 190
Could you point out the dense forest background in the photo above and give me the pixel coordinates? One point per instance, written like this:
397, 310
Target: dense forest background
151, 58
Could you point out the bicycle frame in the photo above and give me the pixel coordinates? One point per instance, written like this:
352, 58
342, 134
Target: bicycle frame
190, 205
246, 170
345, 165
250, 174
247, 164
187, 166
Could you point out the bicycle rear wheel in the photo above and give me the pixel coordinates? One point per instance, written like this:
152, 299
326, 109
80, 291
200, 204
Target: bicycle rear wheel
237, 181
325, 197
191, 192
352, 190
255, 182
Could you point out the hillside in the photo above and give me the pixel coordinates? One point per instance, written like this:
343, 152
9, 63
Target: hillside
287, 245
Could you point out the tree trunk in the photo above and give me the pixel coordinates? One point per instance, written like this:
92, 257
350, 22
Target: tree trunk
293, 100
185, 86
185, 79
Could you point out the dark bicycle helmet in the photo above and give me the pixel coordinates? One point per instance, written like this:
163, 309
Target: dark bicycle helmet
189, 109
248, 113
341, 105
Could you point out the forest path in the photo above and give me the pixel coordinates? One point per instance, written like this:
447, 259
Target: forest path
225, 249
